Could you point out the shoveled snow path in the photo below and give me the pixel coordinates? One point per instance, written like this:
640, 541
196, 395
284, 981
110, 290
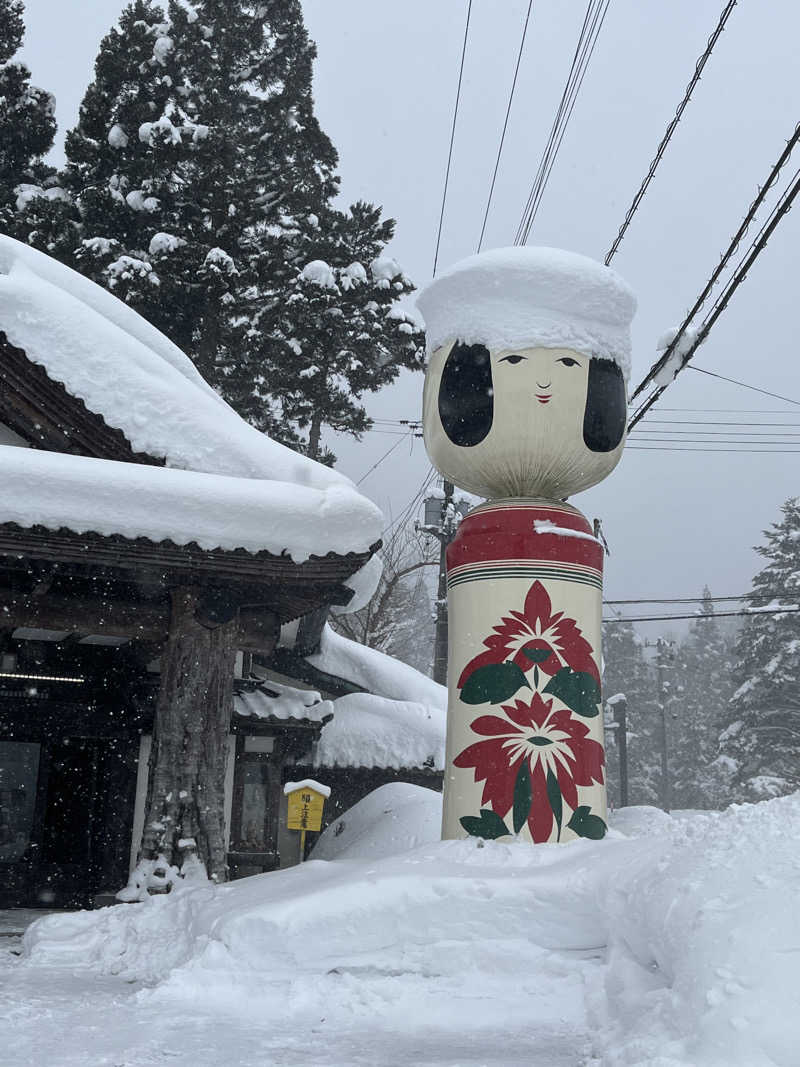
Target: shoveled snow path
74, 1018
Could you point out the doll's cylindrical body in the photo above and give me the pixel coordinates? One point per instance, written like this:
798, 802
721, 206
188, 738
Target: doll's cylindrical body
525, 729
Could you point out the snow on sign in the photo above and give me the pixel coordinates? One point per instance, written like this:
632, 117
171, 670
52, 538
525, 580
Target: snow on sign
306, 800
529, 353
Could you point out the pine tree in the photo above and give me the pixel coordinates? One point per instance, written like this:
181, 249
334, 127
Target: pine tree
703, 687
761, 742
204, 184
197, 135
627, 671
27, 126
331, 332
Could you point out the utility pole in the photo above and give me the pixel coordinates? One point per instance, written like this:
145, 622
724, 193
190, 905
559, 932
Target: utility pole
443, 527
664, 662
619, 709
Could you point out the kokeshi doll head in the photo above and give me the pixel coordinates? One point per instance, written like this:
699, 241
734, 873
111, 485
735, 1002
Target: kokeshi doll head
528, 360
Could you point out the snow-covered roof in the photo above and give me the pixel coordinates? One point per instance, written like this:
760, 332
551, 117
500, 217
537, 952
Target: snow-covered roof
233, 487
273, 700
373, 731
375, 671
362, 729
107, 497
125, 370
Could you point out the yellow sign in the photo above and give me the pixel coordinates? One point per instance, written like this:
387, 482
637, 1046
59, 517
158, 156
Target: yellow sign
305, 809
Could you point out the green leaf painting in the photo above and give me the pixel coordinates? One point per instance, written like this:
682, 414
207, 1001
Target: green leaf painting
523, 796
493, 683
489, 825
537, 655
554, 796
577, 689
584, 824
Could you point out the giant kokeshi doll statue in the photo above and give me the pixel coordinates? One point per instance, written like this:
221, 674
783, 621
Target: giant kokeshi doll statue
529, 352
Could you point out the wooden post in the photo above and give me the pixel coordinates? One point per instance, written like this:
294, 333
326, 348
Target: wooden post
192, 723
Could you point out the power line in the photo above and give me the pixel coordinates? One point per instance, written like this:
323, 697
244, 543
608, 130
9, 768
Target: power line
703, 422
452, 138
779, 211
698, 70
408, 510
744, 385
587, 40
666, 448
505, 124
695, 599
383, 457
717, 615
724, 260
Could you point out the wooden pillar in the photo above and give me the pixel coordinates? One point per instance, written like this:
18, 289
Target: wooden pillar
192, 723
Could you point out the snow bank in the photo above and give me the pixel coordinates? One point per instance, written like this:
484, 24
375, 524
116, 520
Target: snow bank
682, 941
393, 818
125, 370
375, 671
106, 497
702, 945
373, 731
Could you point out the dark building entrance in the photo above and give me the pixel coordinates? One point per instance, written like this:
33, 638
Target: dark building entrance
67, 794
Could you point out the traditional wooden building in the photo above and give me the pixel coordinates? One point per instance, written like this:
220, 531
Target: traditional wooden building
150, 544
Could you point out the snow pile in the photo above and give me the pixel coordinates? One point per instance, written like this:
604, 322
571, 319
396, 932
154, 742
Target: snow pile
676, 948
531, 297
373, 731
125, 370
133, 500
394, 818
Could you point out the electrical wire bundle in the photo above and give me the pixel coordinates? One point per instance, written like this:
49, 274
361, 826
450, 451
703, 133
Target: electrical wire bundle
592, 24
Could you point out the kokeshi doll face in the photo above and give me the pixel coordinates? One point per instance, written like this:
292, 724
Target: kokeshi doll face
526, 422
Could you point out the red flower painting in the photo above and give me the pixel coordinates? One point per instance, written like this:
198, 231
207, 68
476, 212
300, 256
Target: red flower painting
536, 636
536, 752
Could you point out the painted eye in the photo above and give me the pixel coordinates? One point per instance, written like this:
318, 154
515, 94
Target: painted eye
568, 361
513, 360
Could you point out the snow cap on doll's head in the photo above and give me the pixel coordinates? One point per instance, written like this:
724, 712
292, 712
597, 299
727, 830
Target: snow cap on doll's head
517, 297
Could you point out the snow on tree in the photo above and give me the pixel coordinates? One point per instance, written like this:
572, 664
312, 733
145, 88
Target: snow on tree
626, 670
197, 131
703, 687
760, 745
204, 185
27, 127
331, 332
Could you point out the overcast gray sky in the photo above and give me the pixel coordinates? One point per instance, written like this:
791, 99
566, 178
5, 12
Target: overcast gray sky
385, 85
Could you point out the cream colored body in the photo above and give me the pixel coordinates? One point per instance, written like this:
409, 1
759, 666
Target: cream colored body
535, 447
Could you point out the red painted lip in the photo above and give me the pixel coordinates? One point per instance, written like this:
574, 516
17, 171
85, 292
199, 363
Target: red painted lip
544, 398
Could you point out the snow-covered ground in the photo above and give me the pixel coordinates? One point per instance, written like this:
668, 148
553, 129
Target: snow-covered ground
672, 943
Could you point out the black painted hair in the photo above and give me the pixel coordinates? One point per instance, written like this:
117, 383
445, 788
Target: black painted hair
466, 399
466, 396
606, 410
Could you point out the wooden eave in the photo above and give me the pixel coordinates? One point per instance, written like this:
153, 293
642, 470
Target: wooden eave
46, 416
244, 578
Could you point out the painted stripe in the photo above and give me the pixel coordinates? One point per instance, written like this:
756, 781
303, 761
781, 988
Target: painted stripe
591, 578
526, 564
